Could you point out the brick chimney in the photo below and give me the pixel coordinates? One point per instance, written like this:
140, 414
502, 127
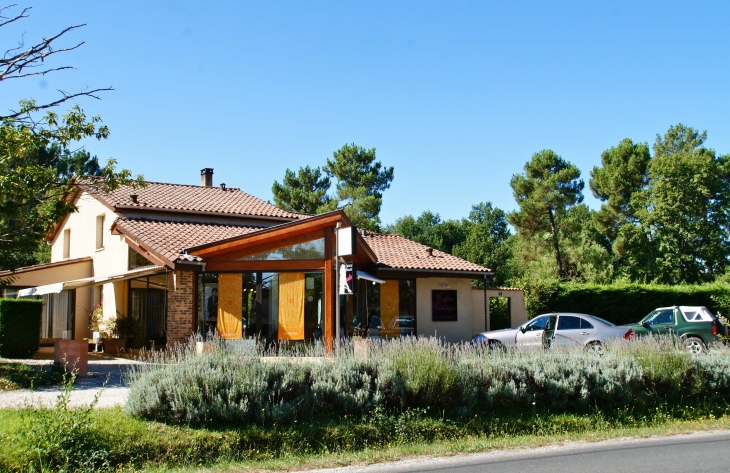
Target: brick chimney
206, 177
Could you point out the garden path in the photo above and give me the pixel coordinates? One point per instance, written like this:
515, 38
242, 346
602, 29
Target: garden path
114, 394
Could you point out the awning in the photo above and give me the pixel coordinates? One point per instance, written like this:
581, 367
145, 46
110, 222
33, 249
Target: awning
134, 273
40, 290
369, 277
92, 281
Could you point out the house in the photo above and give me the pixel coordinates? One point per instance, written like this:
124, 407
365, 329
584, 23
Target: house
181, 259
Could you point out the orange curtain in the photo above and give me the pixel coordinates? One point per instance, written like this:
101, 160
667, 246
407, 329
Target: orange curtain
389, 308
291, 306
230, 300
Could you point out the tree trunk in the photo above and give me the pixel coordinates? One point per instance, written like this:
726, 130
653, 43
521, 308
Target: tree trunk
555, 244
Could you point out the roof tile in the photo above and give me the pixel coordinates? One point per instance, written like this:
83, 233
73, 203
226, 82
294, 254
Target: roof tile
395, 251
170, 238
187, 198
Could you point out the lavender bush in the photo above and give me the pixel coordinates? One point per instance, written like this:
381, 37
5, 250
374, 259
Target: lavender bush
238, 387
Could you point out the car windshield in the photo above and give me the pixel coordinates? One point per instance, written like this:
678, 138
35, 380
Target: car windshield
660, 316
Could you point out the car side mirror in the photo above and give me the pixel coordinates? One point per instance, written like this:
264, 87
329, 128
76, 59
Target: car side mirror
523, 329
644, 324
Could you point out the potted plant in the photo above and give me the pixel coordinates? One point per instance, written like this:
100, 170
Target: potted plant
128, 328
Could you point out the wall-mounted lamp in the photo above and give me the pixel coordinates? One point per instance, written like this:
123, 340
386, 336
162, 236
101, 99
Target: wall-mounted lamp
445, 285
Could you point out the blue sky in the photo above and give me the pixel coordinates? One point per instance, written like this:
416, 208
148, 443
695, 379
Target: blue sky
456, 95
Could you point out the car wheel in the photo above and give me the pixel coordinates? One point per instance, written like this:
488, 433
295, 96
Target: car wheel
694, 345
596, 348
495, 345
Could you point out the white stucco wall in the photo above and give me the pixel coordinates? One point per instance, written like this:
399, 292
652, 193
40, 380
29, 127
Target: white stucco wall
109, 260
467, 314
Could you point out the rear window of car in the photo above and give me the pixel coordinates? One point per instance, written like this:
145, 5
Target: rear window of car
696, 314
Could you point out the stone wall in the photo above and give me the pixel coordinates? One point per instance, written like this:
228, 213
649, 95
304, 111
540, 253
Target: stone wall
180, 309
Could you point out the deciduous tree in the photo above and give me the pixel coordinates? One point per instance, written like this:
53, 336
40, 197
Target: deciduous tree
686, 207
39, 163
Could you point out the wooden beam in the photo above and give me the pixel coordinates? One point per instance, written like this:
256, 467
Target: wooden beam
329, 293
286, 230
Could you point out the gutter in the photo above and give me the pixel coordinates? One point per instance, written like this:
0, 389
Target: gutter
475, 274
119, 208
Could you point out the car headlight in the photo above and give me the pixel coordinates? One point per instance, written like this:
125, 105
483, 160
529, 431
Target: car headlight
479, 339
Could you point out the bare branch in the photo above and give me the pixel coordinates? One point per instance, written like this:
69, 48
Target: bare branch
66, 97
15, 64
9, 20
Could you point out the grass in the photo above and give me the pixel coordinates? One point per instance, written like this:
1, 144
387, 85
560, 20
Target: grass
138, 445
19, 376
229, 411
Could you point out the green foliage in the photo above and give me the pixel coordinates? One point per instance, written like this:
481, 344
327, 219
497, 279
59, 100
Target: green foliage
39, 161
61, 438
361, 181
305, 192
359, 184
623, 303
686, 207
137, 445
228, 387
20, 327
20, 376
623, 172
482, 238
548, 187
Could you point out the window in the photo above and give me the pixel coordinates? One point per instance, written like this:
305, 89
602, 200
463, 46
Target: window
269, 306
308, 250
538, 323
568, 322
57, 320
381, 310
100, 232
67, 243
146, 310
137, 261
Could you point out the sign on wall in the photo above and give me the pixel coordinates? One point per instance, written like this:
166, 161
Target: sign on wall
443, 305
346, 241
347, 278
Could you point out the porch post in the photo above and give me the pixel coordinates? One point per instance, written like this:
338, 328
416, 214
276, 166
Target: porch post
330, 292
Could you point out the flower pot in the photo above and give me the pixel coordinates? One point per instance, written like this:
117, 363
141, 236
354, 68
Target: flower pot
361, 348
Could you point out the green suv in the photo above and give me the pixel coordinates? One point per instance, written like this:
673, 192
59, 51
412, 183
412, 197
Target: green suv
697, 327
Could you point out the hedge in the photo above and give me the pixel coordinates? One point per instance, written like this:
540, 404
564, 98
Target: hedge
626, 303
20, 327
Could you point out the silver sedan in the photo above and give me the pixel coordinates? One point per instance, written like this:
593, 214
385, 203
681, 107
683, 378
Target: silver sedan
556, 330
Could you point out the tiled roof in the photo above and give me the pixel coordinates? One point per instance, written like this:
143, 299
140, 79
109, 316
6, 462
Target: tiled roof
186, 198
394, 251
170, 238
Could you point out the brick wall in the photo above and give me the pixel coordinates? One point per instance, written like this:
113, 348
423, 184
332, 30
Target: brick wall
180, 310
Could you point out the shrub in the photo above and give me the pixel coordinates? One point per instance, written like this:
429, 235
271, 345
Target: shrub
20, 327
61, 438
230, 387
626, 303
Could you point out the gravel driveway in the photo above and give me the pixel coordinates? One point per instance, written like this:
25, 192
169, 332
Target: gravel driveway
114, 394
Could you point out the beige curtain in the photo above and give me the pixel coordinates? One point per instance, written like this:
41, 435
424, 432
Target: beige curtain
291, 306
389, 308
230, 293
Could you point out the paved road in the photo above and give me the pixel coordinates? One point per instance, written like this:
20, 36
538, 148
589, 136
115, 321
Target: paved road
705, 452
114, 394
